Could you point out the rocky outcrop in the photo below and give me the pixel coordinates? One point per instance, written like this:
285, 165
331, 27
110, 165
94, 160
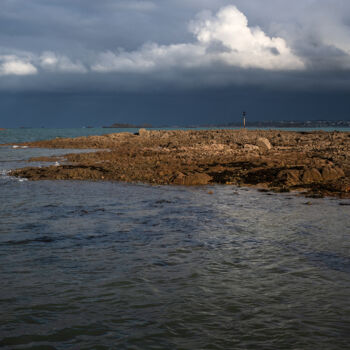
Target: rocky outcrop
144, 132
331, 174
313, 162
289, 177
191, 179
263, 143
311, 176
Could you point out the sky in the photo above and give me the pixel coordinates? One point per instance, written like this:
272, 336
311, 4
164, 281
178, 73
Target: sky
72, 63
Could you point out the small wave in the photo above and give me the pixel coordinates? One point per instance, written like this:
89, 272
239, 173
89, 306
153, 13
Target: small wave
4, 175
16, 146
43, 239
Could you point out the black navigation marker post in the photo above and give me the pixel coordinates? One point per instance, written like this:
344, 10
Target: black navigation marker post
243, 116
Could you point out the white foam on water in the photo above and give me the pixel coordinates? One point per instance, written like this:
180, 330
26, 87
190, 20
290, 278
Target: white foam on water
16, 146
4, 175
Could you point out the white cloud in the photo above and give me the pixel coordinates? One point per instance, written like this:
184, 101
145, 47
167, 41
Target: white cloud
14, 65
224, 39
58, 63
150, 57
245, 47
27, 63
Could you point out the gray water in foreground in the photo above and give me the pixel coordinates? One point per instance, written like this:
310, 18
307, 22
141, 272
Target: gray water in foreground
106, 265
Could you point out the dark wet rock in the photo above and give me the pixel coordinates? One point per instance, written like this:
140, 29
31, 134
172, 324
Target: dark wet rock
223, 177
315, 195
282, 190
264, 190
290, 177
261, 175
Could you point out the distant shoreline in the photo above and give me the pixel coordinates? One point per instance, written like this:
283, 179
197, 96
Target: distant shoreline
320, 124
249, 124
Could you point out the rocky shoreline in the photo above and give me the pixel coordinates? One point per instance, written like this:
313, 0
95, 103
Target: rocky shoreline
314, 163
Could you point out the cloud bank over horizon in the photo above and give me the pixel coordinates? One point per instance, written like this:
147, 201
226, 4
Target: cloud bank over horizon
224, 38
119, 45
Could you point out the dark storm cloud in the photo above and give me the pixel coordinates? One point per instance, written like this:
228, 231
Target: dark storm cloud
74, 45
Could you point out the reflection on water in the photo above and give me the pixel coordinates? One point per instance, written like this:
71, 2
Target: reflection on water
92, 265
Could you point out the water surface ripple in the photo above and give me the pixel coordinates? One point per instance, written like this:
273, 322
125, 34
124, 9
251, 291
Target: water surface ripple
105, 265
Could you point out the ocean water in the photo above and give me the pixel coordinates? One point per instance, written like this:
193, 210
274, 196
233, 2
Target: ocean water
107, 265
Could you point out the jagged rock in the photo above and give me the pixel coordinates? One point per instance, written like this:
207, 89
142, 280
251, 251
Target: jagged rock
290, 177
263, 143
311, 175
178, 179
329, 173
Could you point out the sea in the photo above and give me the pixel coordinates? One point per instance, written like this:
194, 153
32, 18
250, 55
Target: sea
109, 265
